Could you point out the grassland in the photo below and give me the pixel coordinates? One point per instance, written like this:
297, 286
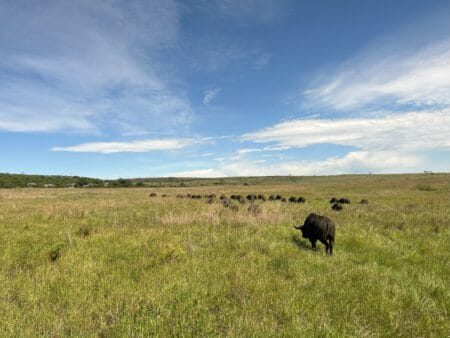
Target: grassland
112, 262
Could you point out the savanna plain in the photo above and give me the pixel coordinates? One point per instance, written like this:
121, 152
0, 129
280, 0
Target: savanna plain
114, 262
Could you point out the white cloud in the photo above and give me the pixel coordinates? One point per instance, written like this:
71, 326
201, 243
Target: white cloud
390, 78
210, 94
89, 65
412, 131
132, 146
353, 162
202, 173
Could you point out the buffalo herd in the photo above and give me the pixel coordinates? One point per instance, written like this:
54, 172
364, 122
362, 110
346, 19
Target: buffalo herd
315, 228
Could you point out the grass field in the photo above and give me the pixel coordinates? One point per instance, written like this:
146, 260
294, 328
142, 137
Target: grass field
113, 262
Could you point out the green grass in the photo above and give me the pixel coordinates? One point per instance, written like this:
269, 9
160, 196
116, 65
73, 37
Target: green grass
105, 262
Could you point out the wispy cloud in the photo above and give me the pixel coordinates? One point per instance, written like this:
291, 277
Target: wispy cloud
245, 11
132, 146
381, 78
411, 131
87, 66
353, 162
209, 95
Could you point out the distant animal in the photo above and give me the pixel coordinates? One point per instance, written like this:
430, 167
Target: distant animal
211, 200
278, 197
165, 195
262, 197
153, 194
344, 200
223, 197
241, 199
320, 228
337, 207
333, 200
196, 197
251, 197
283, 199
301, 200
180, 196
293, 199
272, 198
364, 201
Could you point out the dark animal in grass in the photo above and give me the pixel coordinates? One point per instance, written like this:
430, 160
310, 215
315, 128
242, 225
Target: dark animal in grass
293, 199
283, 200
364, 201
344, 200
337, 207
320, 228
278, 197
223, 197
251, 197
262, 197
241, 199
211, 200
165, 195
272, 198
153, 194
333, 200
196, 197
301, 200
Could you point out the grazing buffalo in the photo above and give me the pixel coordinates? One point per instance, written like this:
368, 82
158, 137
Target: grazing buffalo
293, 199
241, 199
278, 197
153, 194
364, 201
196, 197
301, 200
320, 228
283, 199
222, 197
251, 197
344, 200
262, 197
272, 198
333, 200
337, 207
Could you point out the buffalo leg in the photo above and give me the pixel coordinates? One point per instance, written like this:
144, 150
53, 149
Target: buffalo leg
330, 245
313, 243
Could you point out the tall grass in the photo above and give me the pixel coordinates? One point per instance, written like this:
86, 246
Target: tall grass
117, 263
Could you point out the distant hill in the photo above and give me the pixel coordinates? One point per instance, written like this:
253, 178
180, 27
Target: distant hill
51, 181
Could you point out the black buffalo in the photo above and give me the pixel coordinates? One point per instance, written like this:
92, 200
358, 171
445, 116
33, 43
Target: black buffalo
301, 200
333, 200
320, 228
337, 207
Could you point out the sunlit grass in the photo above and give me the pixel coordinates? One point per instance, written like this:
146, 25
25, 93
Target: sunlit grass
116, 263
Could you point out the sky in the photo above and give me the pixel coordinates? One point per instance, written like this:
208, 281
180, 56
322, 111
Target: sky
215, 88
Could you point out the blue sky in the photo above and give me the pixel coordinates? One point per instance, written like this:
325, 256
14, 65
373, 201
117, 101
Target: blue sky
224, 88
